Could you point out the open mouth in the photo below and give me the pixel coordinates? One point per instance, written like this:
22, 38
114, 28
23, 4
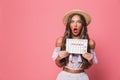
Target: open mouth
75, 30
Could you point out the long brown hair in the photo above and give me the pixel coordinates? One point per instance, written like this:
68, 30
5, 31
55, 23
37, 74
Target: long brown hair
83, 35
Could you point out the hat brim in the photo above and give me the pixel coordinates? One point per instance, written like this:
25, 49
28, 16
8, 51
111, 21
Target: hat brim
86, 16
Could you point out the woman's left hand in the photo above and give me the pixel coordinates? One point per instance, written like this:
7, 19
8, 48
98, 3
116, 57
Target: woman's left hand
88, 56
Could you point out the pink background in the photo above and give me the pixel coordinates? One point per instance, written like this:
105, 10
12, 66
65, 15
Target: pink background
29, 28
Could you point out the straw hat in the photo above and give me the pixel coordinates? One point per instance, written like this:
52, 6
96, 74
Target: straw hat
86, 16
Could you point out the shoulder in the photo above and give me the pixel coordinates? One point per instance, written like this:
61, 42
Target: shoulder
92, 44
59, 41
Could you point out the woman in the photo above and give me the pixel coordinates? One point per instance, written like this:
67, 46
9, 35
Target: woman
74, 65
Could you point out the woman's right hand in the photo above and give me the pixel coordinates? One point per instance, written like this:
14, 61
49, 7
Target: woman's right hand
63, 54
62, 58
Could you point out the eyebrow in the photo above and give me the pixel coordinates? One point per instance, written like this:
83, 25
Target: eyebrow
74, 20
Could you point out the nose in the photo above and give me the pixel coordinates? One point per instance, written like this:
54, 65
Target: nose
75, 24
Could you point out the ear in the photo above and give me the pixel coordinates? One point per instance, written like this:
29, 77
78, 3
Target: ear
92, 44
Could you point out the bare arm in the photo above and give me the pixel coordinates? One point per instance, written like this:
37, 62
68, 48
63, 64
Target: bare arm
92, 46
87, 55
61, 55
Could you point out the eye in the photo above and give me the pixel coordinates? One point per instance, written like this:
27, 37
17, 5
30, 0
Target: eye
72, 21
79, 21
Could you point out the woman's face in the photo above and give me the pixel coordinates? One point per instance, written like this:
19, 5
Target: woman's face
75, 25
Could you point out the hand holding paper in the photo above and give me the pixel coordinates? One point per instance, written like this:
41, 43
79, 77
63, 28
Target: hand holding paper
63, 54
88, 56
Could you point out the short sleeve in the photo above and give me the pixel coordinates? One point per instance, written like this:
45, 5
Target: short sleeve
95, 60
55, 53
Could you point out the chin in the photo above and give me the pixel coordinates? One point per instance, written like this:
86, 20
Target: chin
76, 35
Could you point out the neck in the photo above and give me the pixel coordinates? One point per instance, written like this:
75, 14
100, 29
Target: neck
76, 37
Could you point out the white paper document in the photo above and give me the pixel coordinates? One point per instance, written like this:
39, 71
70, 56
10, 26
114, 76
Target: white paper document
76, 46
